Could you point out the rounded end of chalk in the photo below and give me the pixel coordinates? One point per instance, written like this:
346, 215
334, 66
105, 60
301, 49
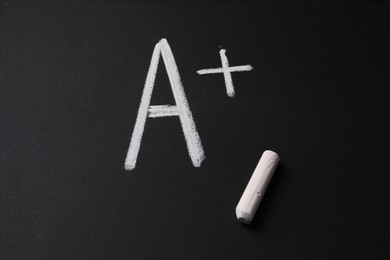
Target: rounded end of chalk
243, 217
271, 153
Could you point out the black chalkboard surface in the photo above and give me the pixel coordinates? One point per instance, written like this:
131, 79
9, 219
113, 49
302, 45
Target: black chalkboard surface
72, 75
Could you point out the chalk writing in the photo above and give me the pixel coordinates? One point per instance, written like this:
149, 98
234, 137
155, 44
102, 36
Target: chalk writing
181, 109
226, 70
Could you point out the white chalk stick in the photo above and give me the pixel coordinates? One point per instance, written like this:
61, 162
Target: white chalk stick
256, 187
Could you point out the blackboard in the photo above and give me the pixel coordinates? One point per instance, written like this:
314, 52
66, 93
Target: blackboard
72, 74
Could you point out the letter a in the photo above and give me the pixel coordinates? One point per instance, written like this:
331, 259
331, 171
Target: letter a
181, 109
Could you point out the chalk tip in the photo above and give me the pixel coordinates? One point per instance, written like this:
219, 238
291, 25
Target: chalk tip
271, 153
129, 167
243, 217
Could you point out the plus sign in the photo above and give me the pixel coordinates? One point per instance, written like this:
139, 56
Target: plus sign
227, 72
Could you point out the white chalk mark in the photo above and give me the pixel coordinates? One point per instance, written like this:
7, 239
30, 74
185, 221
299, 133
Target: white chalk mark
138, 131
226, 70
226, 73
181, 109
191, 135
220, 70
161, 111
